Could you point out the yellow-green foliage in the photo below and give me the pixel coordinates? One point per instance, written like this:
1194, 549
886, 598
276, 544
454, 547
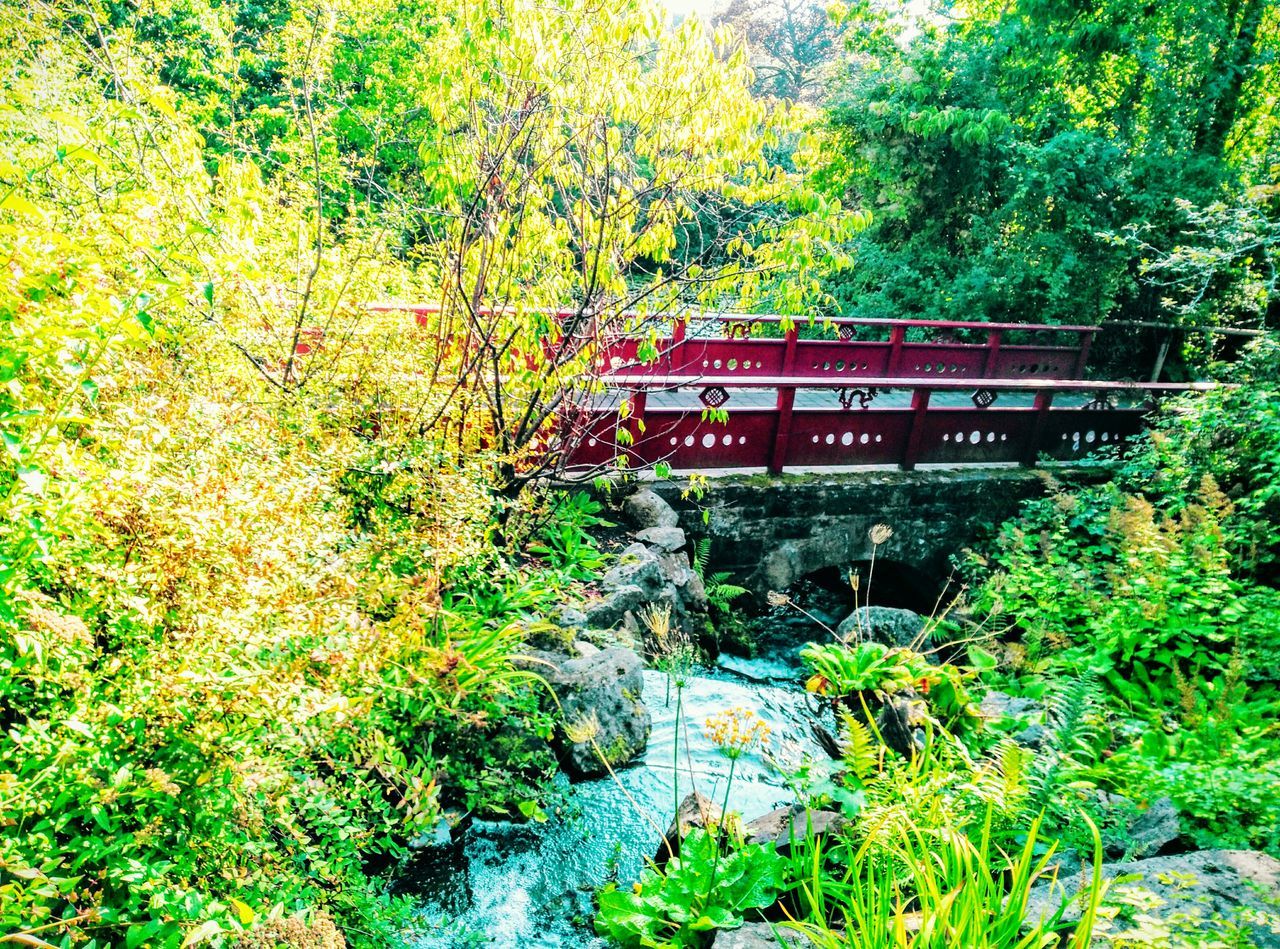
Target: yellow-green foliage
226, 695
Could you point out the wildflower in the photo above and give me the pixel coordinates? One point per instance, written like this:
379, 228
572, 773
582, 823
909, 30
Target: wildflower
65, 630
880, 533
669, 646
737, 730
582, 729
777, 599
160, 781
658, 620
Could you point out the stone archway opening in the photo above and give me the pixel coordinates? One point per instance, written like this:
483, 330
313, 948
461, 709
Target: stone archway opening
828, 593
898, 584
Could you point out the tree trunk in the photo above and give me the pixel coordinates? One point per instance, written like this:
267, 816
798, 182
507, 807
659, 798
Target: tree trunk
1225, 83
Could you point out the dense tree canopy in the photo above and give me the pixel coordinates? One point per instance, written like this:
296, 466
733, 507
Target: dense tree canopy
1058, 162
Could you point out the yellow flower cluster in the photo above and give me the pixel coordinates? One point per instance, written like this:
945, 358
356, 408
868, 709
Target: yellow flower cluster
737, 730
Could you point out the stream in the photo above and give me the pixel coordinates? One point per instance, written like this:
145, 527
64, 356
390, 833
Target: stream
531, 886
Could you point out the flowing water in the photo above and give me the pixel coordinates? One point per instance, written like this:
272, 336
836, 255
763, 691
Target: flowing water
530, 886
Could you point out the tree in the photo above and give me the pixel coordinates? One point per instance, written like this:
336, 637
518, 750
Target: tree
573, 148
1010, 156
792, 44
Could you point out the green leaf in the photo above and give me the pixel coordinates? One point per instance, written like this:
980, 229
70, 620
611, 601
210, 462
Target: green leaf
203, 933
982, 660
19, 205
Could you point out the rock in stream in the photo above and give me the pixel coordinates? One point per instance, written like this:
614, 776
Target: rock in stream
530, 886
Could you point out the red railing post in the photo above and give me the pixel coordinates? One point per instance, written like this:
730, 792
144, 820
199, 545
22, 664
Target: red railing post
1086, 341
639, 400
896, 337
785, 405
915, 434
993, 350
1044, 399
678, 328
789, 355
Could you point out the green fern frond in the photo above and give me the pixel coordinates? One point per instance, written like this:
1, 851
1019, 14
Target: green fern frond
1013, 765
861, 751
701, 551
718, 588
1071, 735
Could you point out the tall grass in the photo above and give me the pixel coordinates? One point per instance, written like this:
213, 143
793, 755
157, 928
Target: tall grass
932, 887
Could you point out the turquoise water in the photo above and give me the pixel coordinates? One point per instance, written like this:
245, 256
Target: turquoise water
530, 886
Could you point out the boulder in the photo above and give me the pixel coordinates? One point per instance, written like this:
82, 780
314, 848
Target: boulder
883, 624
615, 636
1202, 892
637, 566
694, 593
646, 509
758, 936
612, 608
678, 571
696, 810
602, 698
668, 539
572, 618
997, 706
780, 827
1154, 830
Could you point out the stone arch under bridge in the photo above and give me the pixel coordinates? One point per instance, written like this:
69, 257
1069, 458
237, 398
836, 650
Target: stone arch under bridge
772, 530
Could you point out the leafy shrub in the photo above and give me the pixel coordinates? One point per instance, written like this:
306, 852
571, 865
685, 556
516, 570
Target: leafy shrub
851, 674
1105, 580
696, 893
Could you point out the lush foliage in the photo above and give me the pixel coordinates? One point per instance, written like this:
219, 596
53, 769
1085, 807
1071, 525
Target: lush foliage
262, 573
268, 553
1050, 162
697, 892
1162, 585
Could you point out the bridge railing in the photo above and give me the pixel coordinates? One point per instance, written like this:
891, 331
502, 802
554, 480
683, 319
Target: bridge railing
742, 346
838, 349
781, 423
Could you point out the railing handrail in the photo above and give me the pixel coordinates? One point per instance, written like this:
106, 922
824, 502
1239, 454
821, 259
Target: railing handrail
651, 383
771, 318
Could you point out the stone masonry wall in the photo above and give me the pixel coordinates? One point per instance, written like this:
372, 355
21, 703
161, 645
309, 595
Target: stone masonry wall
772, 530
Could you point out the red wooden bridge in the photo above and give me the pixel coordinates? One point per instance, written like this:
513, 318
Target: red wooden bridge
727, 392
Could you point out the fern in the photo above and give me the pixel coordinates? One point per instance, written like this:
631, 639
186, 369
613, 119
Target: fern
1071, 736
720, 589
1004, 781
701, 552
861, 752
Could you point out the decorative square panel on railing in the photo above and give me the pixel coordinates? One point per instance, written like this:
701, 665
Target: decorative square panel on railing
740, 329
983, 397
714, 396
